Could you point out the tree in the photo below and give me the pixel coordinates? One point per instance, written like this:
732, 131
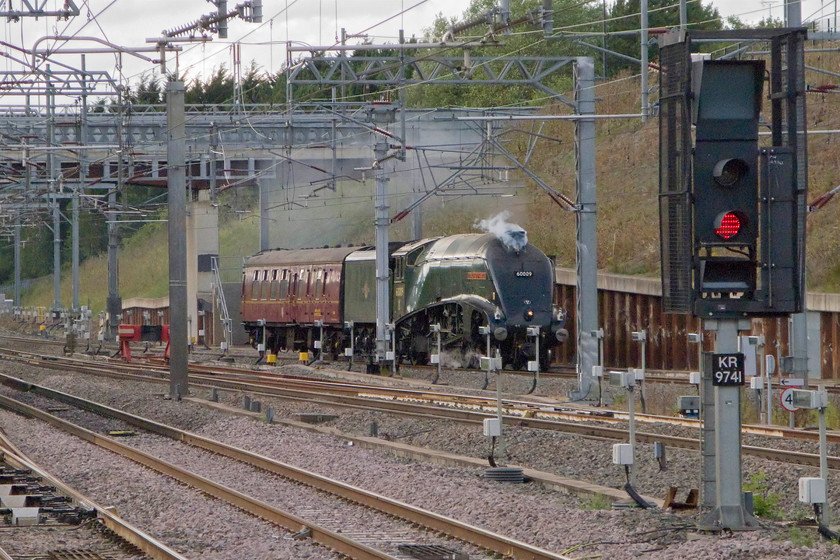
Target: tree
625, 15
148, 91
524, 39
256, 86
217, 90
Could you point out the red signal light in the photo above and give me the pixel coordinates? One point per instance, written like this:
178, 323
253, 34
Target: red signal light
728, 225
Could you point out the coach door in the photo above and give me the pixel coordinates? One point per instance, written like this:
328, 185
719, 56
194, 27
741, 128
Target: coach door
399, 287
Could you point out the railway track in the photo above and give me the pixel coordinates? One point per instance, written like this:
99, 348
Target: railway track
325, 528
452, 407
391, 399
120, 534
554, 372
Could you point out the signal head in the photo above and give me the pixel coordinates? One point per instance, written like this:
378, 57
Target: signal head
728, 172
729, 224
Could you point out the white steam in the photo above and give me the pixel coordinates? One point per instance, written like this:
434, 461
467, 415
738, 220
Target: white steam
457, 359
511, 235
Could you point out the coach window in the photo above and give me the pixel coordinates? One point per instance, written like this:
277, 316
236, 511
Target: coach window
255, 286
318, 284
284, 285
324, 285
308, 292
301, 284
275, 285
264, 294
293, 286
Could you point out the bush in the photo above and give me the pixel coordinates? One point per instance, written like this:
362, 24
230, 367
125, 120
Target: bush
800, 538
596, 502
765, 503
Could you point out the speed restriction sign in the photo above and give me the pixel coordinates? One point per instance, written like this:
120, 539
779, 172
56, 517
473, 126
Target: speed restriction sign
787, 400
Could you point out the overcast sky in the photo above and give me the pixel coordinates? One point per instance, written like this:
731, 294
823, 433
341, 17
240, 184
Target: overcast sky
314, 22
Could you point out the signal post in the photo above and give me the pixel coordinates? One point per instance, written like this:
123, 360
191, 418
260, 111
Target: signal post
731, 221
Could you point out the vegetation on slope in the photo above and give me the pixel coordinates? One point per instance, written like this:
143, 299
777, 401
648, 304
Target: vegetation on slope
143, 265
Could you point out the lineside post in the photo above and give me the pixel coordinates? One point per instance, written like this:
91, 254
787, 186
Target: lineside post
730, 512
586, 288
381, 116
176, 185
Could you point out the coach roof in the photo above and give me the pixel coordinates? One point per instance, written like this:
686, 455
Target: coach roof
285, 257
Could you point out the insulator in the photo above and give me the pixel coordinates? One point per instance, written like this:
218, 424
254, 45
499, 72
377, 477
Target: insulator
183, 29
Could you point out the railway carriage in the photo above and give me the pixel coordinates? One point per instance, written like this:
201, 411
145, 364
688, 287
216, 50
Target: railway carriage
461, 282
284, 292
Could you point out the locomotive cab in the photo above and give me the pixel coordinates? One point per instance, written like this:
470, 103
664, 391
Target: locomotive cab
524, 283
464, 282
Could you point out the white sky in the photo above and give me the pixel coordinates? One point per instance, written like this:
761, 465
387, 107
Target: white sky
315, 22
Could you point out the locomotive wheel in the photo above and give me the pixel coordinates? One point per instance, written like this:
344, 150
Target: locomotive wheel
518, 362
471, 359
545, 359
418, 358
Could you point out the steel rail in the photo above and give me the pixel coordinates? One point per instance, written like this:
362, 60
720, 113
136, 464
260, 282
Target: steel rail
651, 375
329, 539
451, 527
378, 398
515, 408
131, 534
382, 398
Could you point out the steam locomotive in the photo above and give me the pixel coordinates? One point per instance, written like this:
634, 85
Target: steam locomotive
293, 298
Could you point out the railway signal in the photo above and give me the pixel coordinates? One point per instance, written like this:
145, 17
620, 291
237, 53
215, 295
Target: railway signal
725, 182
731, 215
731, 220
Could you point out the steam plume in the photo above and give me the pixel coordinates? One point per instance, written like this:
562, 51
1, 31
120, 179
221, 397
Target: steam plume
512, 236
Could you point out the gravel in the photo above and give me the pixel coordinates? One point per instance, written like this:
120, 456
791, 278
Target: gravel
36, 542
204, 528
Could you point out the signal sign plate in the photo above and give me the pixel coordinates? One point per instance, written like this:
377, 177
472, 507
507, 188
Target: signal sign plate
728, 369
792, 382
787, 400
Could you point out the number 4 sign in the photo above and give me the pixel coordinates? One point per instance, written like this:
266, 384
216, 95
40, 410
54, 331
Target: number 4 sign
787, 400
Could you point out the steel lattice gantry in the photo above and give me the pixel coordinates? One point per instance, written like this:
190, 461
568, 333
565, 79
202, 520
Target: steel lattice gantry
438, 70
243, 138
37, 9
408, 69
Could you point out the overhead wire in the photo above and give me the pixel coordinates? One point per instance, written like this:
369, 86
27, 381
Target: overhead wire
249, 124
285, 10
295, 1
581, 3
578, 25
506, 54
282, 11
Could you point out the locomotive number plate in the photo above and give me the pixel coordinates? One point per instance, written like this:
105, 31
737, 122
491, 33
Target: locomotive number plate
524, 273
